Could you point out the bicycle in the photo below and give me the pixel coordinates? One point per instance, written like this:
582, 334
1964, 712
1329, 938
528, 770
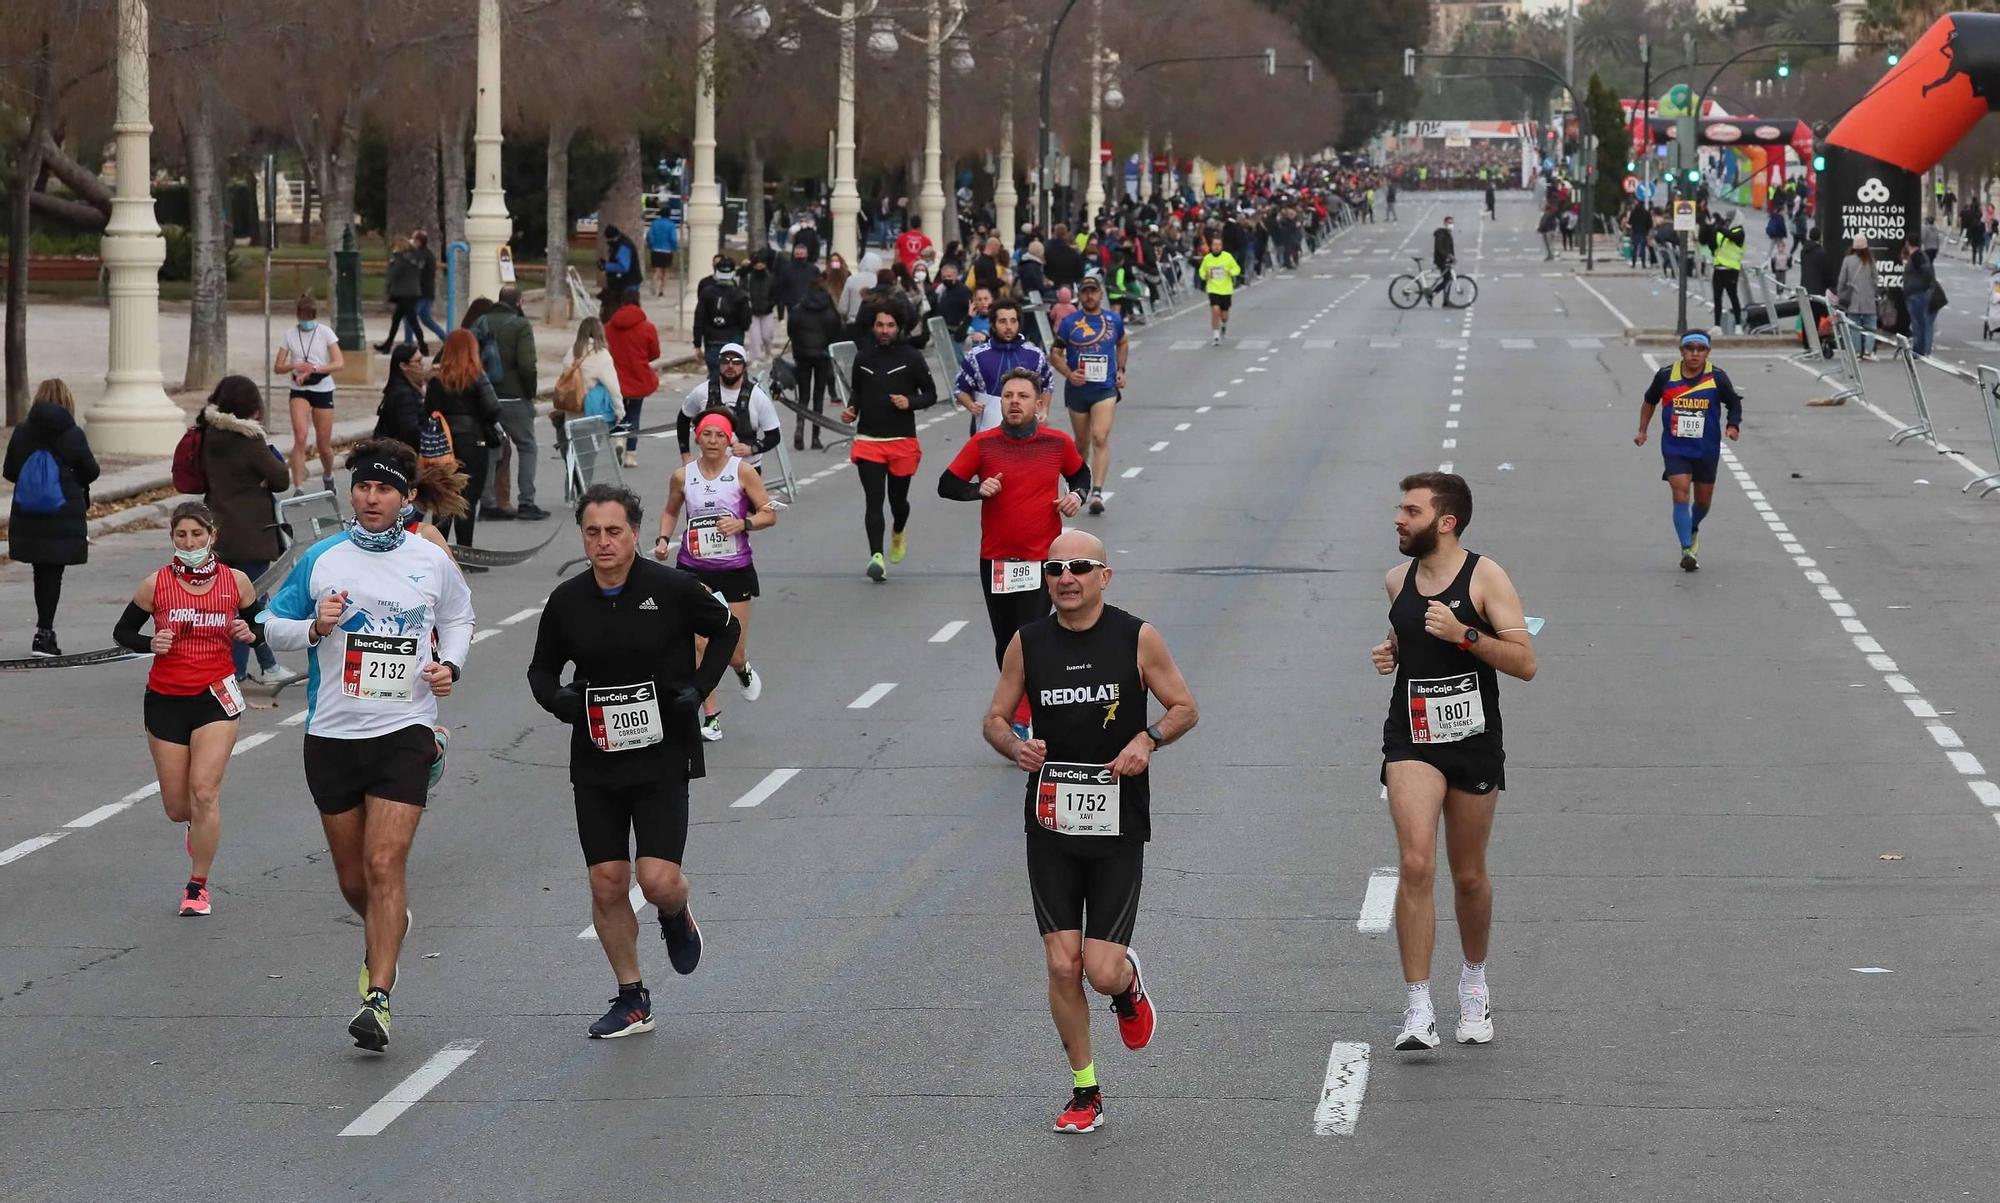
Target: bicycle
1427, 283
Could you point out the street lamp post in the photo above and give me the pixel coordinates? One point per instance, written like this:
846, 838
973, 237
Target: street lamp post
704, 200
1044, 149
135, 416
1006, 201
846, 197
487, 226
1093, 194
938, 31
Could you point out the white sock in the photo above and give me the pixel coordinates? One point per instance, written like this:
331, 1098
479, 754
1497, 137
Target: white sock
1471, 976
1419, 996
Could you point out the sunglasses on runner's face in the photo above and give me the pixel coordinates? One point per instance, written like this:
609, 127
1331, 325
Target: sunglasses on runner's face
1055, 568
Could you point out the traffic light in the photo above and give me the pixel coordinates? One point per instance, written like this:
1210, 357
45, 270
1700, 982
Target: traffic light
1819, 160
1670, 176
1631, 165
1784, 65
1694, 175
1895, 56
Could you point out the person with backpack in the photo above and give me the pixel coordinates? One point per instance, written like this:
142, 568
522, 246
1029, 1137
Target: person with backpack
239, 475
462, 395
588, 386
51, 468
721, 314
507, 341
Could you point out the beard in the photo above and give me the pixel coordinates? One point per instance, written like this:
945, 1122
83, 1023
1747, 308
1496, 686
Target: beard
1419, 543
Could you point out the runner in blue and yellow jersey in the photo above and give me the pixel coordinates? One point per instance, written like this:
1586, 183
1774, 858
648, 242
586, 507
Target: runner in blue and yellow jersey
1690, 437
1092, 346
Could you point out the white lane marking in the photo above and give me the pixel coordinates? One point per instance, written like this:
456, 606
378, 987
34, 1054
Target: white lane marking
520, 616
1451, 423
1945, 736
483, 636
250, 741
1966, 763
1605, 301
293, 720
1219, 395
1444, 467
1872, 969
636, 896
1986, 792
1202, 409
1346, 1082
93, 818
1450, 443
1920, 708
36, 844
1159, 446
949, 629
1182, 426
772, 782
1455, 407
873, 694
408, 1092
1378, 906
1238, 380
1129, 473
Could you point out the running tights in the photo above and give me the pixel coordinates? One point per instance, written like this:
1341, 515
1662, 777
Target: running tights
48, 592
875, 483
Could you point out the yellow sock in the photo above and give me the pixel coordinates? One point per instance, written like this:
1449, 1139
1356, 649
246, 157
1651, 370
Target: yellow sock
1085, 1077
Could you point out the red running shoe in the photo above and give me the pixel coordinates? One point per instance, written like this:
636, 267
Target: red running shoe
1137, 1020
1083, 1113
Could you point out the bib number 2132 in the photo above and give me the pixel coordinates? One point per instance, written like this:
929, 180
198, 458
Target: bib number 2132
380, 668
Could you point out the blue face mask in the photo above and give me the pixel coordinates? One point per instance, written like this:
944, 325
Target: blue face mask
367, 540
308, 325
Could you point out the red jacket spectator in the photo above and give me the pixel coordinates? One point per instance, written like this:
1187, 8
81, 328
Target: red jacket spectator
911, 244
634, 343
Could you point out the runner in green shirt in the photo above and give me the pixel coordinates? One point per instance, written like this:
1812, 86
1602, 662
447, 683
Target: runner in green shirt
1219, 272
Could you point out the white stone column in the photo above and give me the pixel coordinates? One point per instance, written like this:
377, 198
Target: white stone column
846, 197
1145, 166
1006, 201
704, 200
135, 417
1849, 14
930, 196
487, 225
1093, 192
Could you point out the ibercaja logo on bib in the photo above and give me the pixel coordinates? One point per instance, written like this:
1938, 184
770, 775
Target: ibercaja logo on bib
1085, 775
622, 697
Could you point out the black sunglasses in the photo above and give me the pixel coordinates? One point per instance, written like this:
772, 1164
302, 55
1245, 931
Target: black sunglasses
1055, 568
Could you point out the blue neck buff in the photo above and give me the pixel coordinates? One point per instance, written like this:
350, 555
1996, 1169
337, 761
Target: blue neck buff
367, 540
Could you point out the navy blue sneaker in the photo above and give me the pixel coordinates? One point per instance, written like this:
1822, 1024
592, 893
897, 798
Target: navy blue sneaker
683, 940
630, 1014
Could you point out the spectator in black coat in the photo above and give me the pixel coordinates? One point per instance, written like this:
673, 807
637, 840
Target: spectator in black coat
814, 326
54, 541
400, 416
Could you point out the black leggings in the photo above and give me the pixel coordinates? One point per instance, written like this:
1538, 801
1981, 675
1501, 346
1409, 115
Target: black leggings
48, 591
875, 481
1724, 281
815, 374
476, 464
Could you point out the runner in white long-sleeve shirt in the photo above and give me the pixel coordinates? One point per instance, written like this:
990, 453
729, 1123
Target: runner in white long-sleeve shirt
364, 604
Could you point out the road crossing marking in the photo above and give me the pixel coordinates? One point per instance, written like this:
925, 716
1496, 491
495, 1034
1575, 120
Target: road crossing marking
771, 784
1346, 1083
1517, 344
1587, 344
873, 694
949, 629
1252, 344
1185, 344
1378, 905
411, 1090
1385, 344
1318, 344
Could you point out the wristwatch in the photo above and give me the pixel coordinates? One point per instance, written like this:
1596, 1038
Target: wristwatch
1154, 733
1471, 637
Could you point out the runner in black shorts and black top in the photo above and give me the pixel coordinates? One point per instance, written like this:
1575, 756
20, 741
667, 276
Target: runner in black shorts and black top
629, 628
1086, 670
1455, 625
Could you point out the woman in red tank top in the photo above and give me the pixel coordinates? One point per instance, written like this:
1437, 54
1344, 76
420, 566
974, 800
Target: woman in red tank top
199, 608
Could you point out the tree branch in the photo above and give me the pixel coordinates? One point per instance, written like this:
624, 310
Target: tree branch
75, 176
74, 212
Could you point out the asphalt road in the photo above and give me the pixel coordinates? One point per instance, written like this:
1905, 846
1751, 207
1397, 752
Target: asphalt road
1731, 792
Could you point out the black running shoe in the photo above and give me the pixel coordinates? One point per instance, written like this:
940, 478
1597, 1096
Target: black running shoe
683, 939
630, 1014
370, 1025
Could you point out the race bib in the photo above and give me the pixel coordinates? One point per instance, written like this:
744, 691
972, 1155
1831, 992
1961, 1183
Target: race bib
1689, 425
1218, 272
1078, 799
1096, 368
1016, 576
705, 539
380, 668
229, 694
1445, 710
623, 717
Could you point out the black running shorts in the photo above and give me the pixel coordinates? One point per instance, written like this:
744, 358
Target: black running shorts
1474, 766
734, 584
1074, 876
397, 766
173, 719
1221, 300
624, 822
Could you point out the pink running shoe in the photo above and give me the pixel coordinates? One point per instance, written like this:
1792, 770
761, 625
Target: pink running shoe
196, 902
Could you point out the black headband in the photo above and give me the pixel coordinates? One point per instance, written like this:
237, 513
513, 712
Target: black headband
383, 470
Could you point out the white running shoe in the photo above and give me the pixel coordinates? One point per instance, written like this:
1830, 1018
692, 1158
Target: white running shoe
753, 685
278, 675
1420, 1031
711, 726
1475, 1015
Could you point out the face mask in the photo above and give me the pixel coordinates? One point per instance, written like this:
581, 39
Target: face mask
195, 566
308, 325
193, 557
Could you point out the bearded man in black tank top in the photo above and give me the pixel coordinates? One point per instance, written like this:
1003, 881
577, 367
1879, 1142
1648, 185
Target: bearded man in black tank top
1086, 671
1455, 624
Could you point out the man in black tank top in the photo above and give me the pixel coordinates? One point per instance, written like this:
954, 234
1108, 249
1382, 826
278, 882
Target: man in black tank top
1085, 671
1455, 624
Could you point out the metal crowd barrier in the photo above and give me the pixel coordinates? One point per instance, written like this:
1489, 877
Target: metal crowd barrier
1987, 381
843, 354
1923, 426
591, 457
943, 354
